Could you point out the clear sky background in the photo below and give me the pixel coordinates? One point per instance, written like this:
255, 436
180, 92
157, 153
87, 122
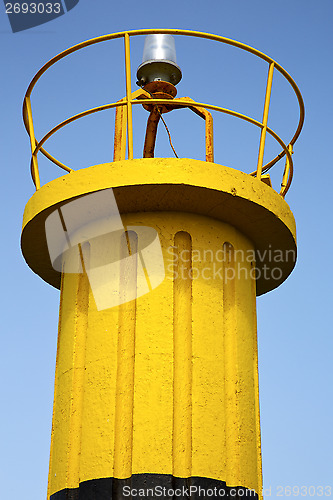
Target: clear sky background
294, 321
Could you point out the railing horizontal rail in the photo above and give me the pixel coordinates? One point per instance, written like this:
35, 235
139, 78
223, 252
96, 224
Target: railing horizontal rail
76, 117
179, 103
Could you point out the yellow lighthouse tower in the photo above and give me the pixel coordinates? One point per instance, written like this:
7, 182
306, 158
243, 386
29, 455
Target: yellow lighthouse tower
159, 262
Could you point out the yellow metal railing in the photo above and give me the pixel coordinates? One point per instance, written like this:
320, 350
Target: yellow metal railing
129, 101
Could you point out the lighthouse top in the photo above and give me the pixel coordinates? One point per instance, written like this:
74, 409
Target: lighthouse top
245, 200
152, 97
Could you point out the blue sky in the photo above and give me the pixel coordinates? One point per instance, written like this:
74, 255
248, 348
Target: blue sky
294, 332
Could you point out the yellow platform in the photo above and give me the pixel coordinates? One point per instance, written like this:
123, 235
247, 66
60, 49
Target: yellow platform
177, 185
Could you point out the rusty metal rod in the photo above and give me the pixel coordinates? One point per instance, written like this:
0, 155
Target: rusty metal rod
150, 139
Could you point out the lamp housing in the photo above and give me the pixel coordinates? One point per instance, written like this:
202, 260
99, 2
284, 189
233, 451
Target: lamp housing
159, 61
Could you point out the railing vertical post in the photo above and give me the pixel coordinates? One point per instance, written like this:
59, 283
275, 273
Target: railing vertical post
265, 119
209, 137
34, 172
128, 97
286, 171
120, 127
